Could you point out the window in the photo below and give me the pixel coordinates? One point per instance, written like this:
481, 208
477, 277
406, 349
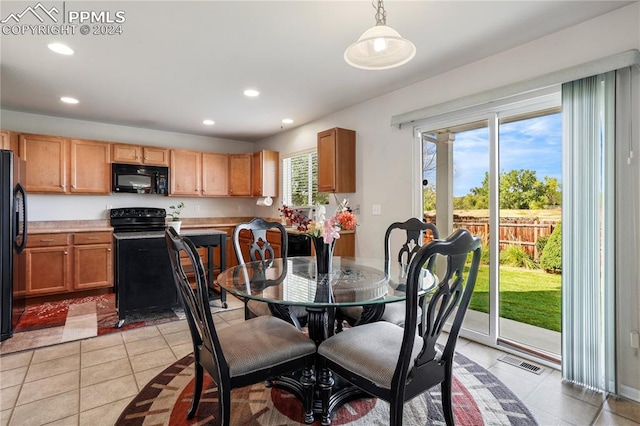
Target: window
300, 180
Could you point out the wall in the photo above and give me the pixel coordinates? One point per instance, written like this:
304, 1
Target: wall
92, 207
387, 163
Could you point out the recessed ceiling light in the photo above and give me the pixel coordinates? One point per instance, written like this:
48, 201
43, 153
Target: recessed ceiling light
252, 93
68, 100
60, 48
287, 121
208, 122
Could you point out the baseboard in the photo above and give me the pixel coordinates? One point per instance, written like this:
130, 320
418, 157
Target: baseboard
630, 393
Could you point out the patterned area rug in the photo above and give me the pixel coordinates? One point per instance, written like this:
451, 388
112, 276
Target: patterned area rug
479, 398
67, 320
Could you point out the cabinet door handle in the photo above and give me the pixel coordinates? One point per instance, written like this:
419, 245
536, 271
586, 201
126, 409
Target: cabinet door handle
73, 186
66, 253
108, 249
46, 241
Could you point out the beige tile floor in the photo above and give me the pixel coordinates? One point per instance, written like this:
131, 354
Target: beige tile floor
89, 382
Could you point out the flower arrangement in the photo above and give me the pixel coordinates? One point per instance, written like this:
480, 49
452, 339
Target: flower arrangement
297, 217
321, 226
175, 213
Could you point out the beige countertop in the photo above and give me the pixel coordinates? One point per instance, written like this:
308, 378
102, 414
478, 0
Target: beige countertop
60, 226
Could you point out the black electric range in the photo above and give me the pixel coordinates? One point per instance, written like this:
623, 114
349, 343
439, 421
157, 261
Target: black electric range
143, 279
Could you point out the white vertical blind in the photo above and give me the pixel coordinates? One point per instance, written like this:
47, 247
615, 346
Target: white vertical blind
588, 232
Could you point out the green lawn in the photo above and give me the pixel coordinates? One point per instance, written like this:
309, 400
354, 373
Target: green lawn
527, 296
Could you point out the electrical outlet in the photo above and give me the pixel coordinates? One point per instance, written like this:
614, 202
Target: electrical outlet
635, 340
197, 207
376, 209
109, 206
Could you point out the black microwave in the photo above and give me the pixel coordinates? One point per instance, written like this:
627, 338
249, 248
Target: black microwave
140, 179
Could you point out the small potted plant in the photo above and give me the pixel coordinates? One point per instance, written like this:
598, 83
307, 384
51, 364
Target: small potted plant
175, 222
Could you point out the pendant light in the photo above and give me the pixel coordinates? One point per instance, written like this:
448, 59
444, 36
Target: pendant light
380, 47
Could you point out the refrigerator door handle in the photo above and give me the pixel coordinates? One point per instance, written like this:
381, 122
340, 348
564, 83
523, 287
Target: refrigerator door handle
20, 246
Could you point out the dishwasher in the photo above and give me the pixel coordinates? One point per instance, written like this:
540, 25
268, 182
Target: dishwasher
298, 244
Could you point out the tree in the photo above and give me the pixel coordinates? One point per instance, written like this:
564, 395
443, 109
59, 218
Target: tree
519, 189
429, 198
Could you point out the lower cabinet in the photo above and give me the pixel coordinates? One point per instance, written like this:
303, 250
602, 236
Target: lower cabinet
67, 262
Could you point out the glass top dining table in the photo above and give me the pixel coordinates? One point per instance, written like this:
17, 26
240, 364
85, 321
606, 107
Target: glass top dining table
294, 282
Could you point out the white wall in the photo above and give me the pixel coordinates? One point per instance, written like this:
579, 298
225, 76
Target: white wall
92, 207
385, 164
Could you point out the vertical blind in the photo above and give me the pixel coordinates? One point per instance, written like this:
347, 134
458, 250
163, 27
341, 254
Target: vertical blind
588, 231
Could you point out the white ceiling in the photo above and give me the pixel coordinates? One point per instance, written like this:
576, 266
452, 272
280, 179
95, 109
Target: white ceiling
177, 63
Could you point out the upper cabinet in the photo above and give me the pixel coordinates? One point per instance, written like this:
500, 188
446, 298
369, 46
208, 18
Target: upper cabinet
134, 154
186, 172
240, 175
337, 160
90, 167
46, 158
264, 170
59, 165
9, 140
215, 175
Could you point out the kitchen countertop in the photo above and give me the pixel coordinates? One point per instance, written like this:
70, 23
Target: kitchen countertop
200, 223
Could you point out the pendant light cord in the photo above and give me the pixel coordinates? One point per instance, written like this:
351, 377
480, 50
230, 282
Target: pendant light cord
381, 14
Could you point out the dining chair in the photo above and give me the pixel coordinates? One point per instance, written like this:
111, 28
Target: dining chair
394, 363
241, 354
260, 249
413, 233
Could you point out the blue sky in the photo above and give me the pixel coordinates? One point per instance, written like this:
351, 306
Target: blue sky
533, 144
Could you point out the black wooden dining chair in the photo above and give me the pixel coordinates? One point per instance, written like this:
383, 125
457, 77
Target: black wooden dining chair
413, 231
395, 363
241, 354
259, 248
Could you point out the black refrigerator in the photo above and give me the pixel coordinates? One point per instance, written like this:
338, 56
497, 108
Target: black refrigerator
13, 238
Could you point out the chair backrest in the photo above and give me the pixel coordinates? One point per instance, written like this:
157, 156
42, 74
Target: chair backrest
260, 248
195, 302
452, 294
415, 230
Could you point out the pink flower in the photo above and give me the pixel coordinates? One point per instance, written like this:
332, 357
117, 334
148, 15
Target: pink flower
330, 231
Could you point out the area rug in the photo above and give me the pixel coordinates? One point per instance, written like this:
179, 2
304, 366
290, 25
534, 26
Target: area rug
68, 320
479, 398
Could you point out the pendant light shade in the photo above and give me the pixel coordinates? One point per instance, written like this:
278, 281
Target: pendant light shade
380, 47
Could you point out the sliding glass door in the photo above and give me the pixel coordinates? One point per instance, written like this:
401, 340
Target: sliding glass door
498, 174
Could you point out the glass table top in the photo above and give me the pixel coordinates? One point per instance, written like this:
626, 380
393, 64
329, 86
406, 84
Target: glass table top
352, 282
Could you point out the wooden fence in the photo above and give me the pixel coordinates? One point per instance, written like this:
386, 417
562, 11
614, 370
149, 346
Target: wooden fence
523, 232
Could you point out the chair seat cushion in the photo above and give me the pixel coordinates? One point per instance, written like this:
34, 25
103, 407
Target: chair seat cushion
262, 342
370, 350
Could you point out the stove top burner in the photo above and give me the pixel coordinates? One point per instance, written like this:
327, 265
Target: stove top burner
137, 219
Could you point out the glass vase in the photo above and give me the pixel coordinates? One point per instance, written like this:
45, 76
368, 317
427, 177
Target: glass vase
324, 253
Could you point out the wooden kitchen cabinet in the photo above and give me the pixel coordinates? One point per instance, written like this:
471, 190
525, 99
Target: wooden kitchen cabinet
240, 174
9, 140
265, 171
337, 160
90, 167
215, 175
135, 154
46, 159
93, 260
47, 264
61, 166
66, 262
186, 172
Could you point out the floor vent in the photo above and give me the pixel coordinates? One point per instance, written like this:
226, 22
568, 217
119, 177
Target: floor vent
521, 364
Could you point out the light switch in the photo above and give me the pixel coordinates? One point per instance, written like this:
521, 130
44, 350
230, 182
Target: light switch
376, 209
